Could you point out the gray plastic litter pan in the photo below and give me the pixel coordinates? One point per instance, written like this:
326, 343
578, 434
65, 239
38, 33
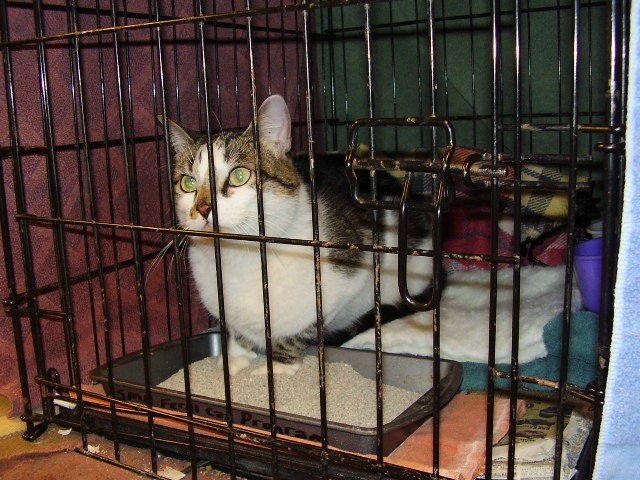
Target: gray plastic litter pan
404, 371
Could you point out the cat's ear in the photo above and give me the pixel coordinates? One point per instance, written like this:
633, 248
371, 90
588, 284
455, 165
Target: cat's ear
274, 123
181, 138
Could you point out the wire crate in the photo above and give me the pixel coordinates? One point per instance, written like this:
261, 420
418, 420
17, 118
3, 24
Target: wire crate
495, 111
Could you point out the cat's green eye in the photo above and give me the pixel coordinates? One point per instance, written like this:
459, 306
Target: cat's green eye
188, 184
239, 176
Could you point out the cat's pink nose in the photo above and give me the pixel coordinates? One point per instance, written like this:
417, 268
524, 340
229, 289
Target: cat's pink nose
204, 210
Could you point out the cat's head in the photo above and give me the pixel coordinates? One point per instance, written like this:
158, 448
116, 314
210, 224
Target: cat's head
234, 161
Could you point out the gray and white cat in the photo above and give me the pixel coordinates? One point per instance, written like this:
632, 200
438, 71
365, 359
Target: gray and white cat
347, 275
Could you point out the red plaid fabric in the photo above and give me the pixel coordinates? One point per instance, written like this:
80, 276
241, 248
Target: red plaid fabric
468, 229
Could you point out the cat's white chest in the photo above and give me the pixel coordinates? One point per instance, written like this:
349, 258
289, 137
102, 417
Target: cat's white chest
289, 274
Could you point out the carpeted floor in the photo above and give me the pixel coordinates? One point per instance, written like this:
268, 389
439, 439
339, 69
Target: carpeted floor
54, 455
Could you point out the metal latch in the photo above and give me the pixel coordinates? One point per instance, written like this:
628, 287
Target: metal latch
440, 167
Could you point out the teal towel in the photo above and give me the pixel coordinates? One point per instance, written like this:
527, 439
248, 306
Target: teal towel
582, 356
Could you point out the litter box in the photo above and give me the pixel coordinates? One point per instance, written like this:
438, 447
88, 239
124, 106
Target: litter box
403, 371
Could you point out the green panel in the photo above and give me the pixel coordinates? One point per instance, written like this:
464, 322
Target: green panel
400, 62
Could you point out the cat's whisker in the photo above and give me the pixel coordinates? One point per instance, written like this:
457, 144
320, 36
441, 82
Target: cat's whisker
182, 246
179, 250
271, 224
248, 227
211, 112
159, 256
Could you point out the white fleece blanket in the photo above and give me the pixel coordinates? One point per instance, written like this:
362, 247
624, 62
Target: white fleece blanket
464, 317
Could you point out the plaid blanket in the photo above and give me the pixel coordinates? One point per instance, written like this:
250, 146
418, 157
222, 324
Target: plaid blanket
468, 223
543, 219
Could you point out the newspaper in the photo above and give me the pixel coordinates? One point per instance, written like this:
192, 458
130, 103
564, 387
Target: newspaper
535, 443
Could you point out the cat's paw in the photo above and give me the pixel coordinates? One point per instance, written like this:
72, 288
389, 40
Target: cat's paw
236, 363
279, 368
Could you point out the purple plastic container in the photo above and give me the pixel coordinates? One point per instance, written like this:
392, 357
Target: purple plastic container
589, 248
588, 267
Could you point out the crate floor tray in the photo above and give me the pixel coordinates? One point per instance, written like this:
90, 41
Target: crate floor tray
350, 391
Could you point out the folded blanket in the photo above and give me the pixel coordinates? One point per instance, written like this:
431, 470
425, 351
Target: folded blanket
464, 326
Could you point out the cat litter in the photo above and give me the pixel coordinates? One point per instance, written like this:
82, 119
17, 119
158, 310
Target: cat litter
350, 395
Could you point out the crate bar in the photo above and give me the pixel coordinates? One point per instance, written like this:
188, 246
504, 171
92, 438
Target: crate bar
6, 152
368, 42
571, 224
130, 162
77, 98
184, 329
133, 196
114, 419
178, 99
204, 93
345, 82
328, 88
559, 77
291, 450
32, 430
202, 85
533, 185
235, 64
495, 121
531, 126
470, 16
77, 75
472, 61
419, 66
563, 127
431, 36
218, 90
53, 185
544, 158
263, 245
393, 68
445, 63
158, 71
290, 241
175, 241
22, 298
307, 35
107, 152
307, 43
80, 10
268, 43
517, 231
238, 236
322, 390
212, 17
66, 300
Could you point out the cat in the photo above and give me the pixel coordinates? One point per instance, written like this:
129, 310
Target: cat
346, 274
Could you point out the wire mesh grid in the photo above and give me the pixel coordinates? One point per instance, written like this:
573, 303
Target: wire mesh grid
95, 264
